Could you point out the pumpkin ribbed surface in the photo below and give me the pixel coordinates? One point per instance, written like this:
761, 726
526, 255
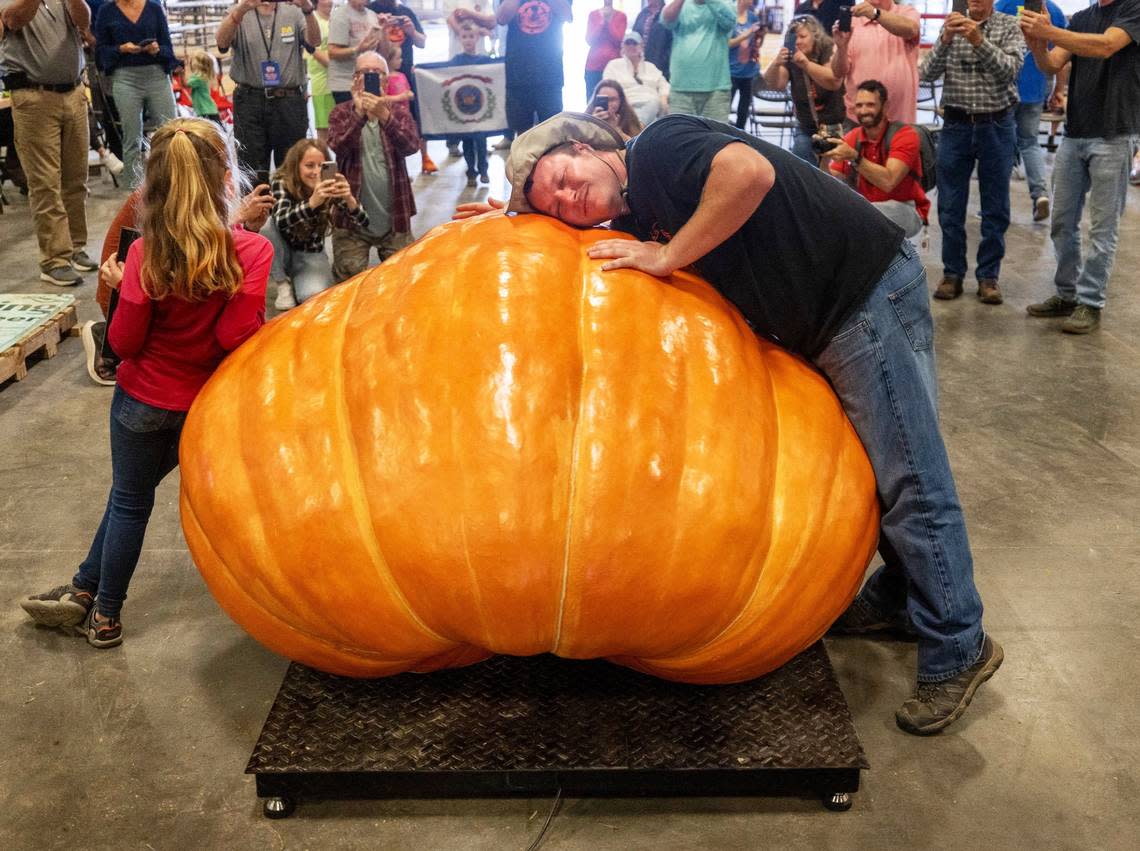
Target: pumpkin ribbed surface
488, 445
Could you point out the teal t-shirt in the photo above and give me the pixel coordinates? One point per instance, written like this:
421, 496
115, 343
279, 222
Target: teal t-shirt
699, 62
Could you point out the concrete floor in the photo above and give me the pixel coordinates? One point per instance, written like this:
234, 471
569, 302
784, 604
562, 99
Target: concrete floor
144, 746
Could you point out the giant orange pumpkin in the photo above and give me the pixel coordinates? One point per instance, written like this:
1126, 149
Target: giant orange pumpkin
488, 445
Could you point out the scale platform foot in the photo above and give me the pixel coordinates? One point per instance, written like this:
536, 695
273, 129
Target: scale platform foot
838, 802
278, 807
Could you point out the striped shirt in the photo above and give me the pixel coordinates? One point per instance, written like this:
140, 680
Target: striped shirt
982, 78
304, 227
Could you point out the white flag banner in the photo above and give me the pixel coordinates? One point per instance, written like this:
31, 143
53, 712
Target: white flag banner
458, 99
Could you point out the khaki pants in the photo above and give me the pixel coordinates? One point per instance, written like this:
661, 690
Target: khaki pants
351, 249
52, 141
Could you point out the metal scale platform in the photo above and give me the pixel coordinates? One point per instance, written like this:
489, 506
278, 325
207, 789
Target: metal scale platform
533, 726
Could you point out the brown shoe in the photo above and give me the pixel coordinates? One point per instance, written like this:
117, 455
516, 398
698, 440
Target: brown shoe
950, 287
988, 291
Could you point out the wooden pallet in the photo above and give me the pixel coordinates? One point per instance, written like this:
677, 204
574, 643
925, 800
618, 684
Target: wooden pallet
45, 337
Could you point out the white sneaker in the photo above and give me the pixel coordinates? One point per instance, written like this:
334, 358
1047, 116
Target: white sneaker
1019, 172
112, 163
285, 300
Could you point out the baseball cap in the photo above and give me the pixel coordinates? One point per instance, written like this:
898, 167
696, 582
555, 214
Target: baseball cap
529, 148
633, 36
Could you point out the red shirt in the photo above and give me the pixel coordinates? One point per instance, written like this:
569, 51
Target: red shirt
604, 38
905, 147
170, 346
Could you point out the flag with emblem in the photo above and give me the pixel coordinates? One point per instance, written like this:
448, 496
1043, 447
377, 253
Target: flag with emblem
458, 98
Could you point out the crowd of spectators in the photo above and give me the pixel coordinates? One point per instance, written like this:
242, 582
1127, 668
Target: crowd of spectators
852, 73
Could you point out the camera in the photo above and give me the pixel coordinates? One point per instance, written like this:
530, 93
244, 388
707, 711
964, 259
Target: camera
827, 137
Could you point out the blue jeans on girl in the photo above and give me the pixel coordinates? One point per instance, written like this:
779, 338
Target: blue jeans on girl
144, 448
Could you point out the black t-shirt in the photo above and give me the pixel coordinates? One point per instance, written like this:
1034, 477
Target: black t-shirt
826, 14
806, 258
829, 105
534, 45
396, 34
1104, 94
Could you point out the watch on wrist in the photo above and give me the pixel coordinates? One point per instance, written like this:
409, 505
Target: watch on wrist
878, 14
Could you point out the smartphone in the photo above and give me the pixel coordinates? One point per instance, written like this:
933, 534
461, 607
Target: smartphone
262, 178
328, 170
147, 42
372, 83
599, 102
961, 8
844, 19
1033, 5
126, 237
790, 39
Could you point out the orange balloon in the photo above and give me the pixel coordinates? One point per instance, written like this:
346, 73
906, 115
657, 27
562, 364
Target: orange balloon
488, 445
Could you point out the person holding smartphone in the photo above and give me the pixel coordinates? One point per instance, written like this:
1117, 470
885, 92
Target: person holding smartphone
881, 44
132, 47
978, 56
306, 190
192, 290
371, 135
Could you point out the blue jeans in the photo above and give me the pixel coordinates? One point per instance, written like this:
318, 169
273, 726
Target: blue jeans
991, 145
135, 89
1028, 119
801, 146
475, 152
1097, 168
144, 448
881, 364
310, 271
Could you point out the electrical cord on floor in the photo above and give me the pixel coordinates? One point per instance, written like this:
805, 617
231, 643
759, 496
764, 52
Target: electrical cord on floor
549, 818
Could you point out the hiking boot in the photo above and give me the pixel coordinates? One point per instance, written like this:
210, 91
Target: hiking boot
61, 276
484, 178
950, 287
988, 291
1052, 306
101, 370
62, 606
1041, 208
285, 299
471, 182
101, 633
1083, 320
935, 706
861, 618
81, 262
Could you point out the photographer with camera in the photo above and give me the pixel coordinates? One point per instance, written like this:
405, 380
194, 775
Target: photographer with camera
978, 57
885, 172
817, 94
879, 41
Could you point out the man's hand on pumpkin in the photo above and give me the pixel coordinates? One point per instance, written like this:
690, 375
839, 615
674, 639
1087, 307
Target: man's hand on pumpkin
651, 257
476, 208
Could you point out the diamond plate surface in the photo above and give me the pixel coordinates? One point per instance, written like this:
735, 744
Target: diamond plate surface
544, 713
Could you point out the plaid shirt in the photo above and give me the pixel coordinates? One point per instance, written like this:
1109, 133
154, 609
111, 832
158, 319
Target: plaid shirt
302, 226
982, 78
400, 140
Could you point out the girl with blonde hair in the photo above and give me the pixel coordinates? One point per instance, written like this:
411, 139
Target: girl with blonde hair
192, 290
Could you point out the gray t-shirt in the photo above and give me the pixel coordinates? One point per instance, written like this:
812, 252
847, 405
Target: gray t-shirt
375, 182
347, 27
285, 38
47, 49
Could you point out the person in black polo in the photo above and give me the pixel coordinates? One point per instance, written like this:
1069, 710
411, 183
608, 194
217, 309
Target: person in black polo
268, 68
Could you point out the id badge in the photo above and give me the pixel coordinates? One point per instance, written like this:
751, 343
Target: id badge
270, 74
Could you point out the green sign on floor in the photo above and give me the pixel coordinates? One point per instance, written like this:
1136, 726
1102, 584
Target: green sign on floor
21, 314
